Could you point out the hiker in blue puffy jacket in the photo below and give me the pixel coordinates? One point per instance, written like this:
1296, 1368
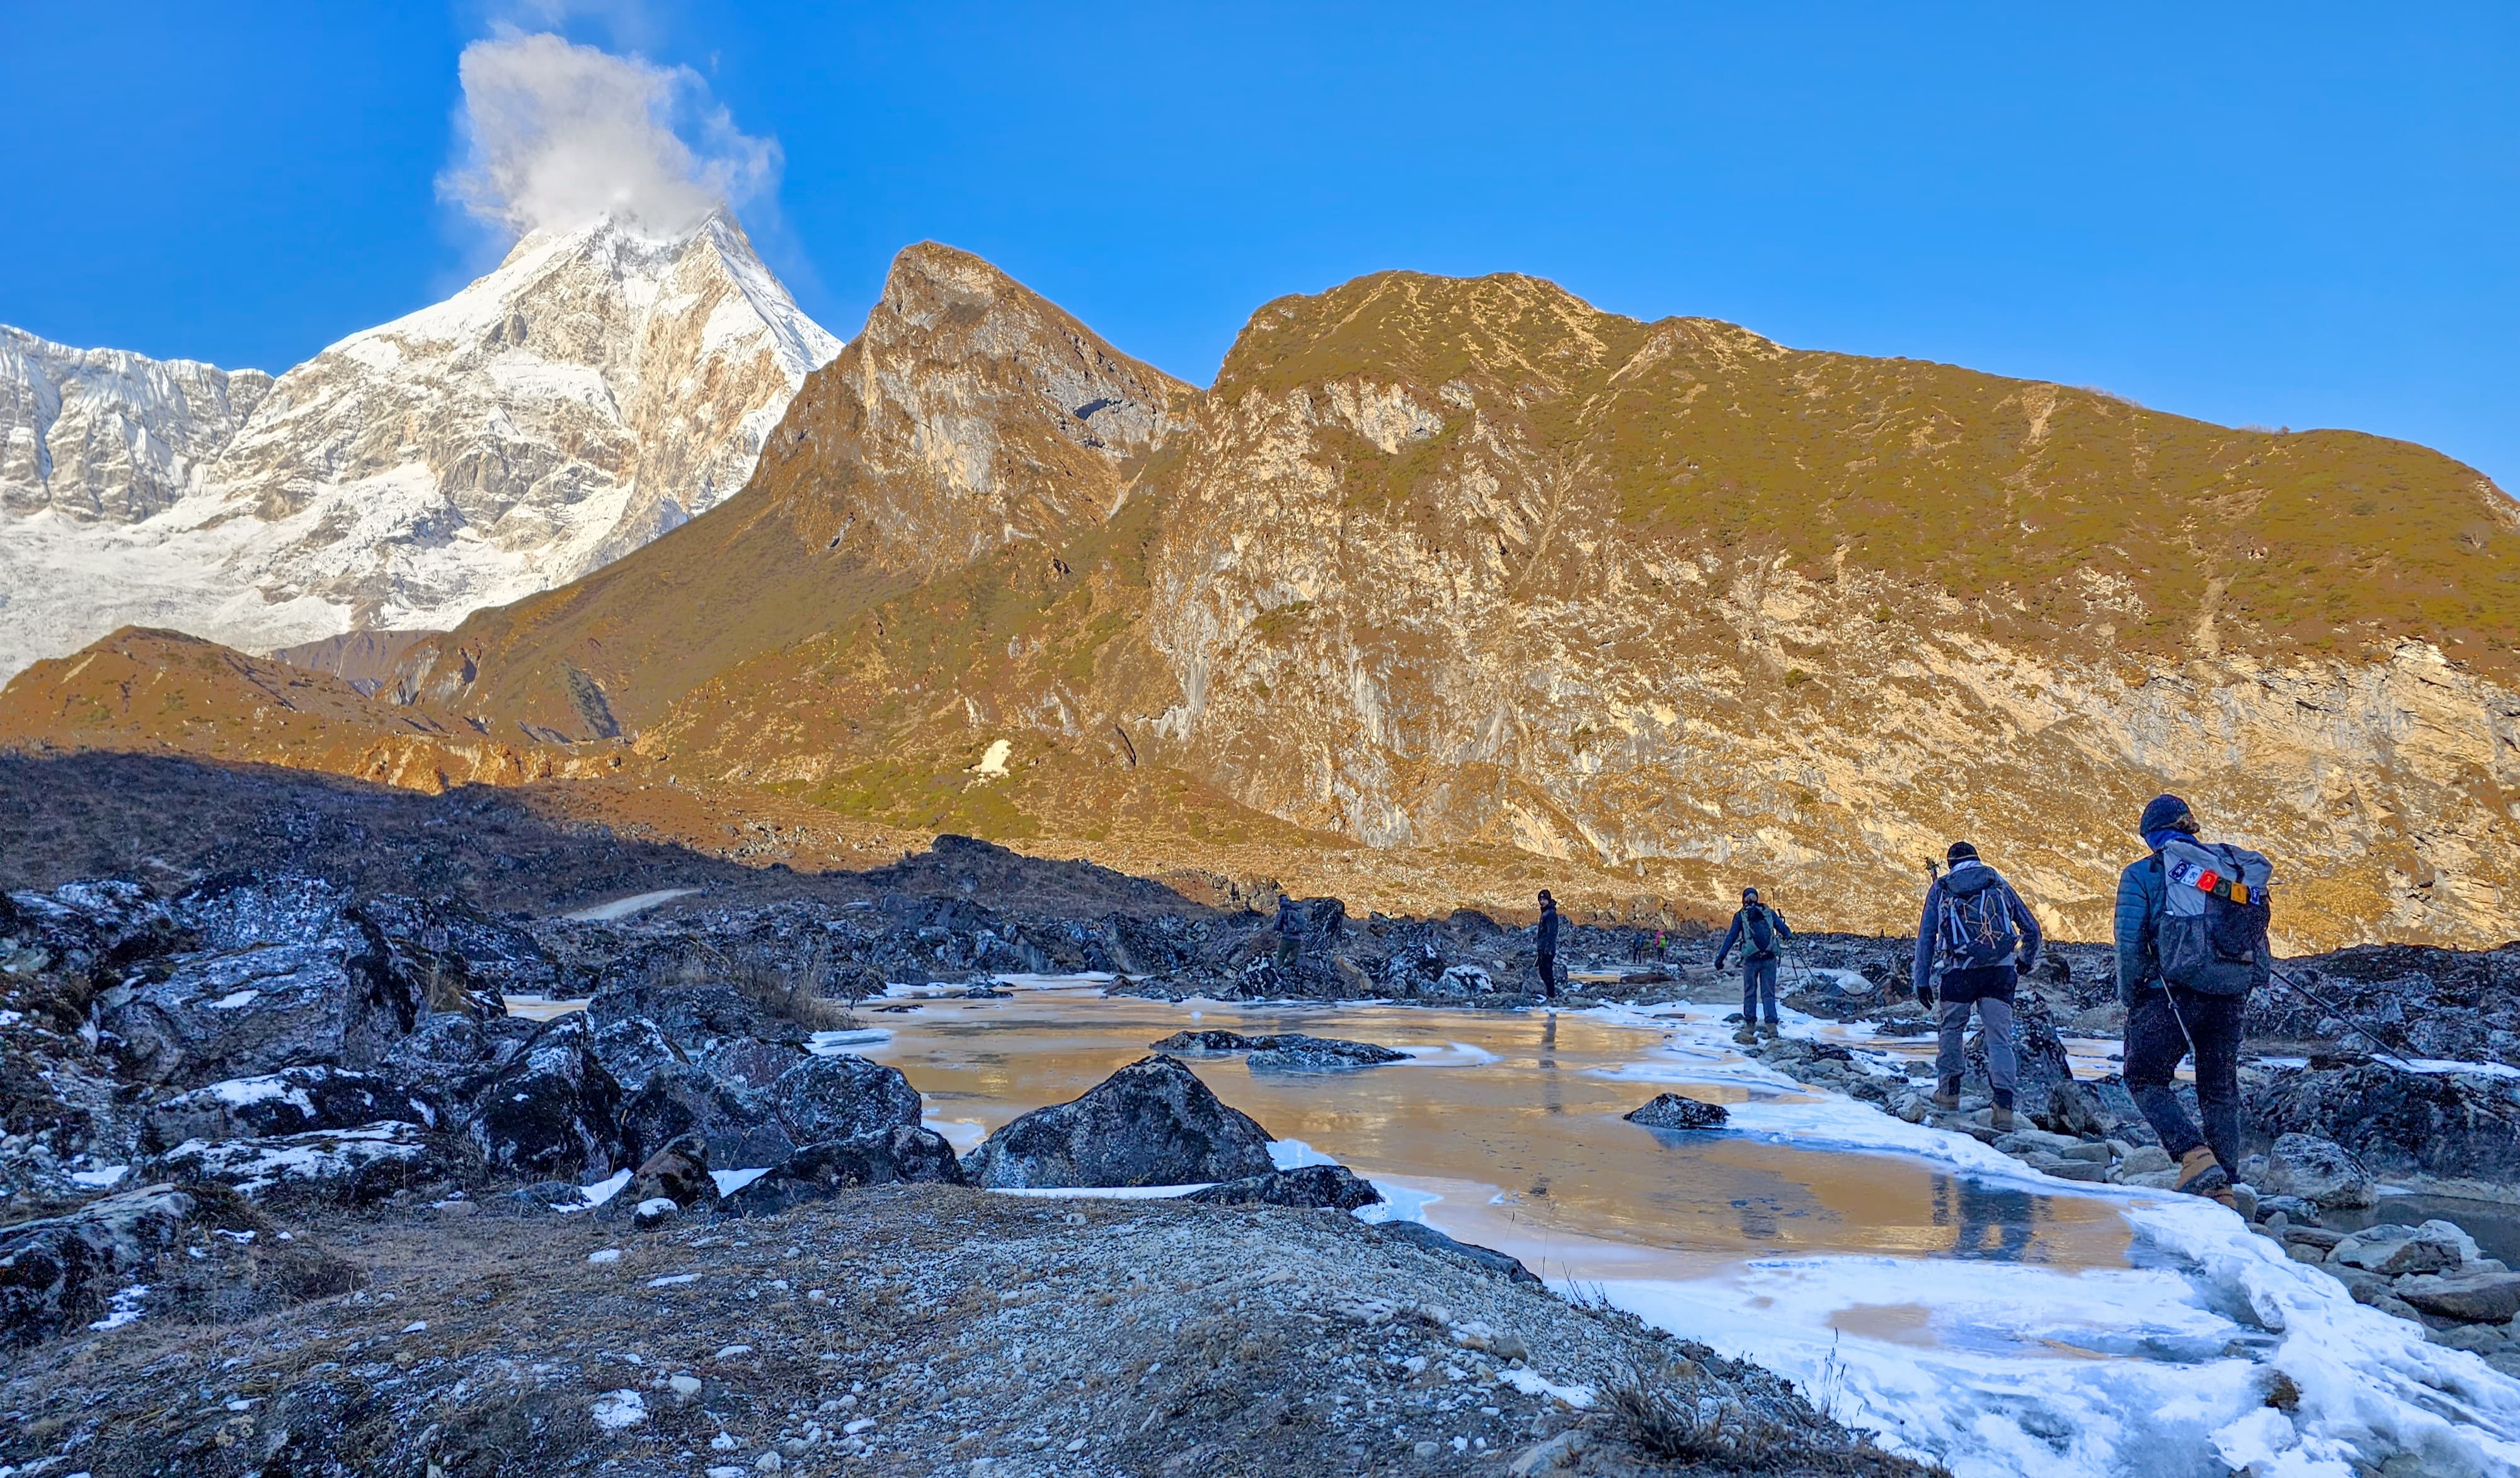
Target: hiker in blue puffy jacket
1983, 936
1761, 932
2166, 1022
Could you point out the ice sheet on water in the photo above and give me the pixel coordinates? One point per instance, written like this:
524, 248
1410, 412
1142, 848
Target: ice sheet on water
1399, 1203
1295, 1154
963, 1135
1985, 1365
1450, 1054
832, 1044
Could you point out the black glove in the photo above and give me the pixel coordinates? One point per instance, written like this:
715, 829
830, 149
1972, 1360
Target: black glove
1925, 993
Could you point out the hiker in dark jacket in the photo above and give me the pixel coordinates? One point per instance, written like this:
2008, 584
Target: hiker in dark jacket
1983, 936
1548, 945
2166, 1022
1761, 932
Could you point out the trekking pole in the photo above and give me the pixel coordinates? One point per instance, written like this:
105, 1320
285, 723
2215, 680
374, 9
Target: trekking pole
2386, 1053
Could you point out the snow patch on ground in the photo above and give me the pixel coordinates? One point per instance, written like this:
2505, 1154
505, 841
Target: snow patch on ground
623, 908
729, 1182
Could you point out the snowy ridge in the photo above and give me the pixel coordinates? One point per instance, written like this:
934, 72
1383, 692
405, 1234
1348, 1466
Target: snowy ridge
597, 390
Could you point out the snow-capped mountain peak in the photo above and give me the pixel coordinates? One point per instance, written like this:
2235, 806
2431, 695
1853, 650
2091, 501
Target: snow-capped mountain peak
594, 390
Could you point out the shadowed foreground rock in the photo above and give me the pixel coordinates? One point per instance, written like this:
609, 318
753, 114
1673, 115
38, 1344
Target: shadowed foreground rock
1320, 1187
1152, 1123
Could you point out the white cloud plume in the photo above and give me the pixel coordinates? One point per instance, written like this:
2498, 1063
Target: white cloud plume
557, 135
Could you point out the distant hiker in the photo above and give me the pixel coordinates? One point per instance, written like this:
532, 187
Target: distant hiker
1982, 935
1547, 945
2191, 937
1290, 932
1761, 931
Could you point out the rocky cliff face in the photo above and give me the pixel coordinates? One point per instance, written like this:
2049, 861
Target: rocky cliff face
596, 390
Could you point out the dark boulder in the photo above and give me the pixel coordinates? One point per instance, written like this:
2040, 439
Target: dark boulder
696, 1018
892, 1156
1485, 1259
1673, 1111
292, 1100
633, 1048
751, 1061
55, 1273
2074, 1108
1211, 1041
2395, 1123
92, 931
287, 975
839, 1097
740, 1126
1327, 1186
2319, 1171
353, 1166
1295, 1053
552, 1109
1152, 1123
468, 949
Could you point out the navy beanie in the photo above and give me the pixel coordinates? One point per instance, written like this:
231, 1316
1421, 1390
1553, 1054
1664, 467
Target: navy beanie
1749, 895
2163, 813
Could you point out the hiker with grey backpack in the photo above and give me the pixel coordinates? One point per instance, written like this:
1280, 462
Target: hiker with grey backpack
1761, 934
2191, 944
1974, 942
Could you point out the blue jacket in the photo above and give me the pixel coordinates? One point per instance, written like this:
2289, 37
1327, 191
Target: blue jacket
1739, 933
1969, 876
1547, 940
2143, 896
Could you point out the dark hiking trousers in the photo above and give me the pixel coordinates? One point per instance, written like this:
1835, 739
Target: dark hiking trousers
2154, 1044
1547, 963
1757, 988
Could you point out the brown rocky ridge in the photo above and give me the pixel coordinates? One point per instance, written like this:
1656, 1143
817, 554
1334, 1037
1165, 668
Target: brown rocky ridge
1450, 588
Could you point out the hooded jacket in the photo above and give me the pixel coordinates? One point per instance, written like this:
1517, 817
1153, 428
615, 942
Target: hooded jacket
1969, 876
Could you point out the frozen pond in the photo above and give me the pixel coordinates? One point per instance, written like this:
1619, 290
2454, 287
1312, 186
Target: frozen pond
1917, 1282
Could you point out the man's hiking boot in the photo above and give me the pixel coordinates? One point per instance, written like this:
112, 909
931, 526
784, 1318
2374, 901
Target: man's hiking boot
1947, 1098
2200, 1174
2001, 1119
1747, 1035
1768, 1030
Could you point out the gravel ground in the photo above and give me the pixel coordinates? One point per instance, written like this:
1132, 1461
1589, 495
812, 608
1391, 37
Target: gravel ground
910, 1329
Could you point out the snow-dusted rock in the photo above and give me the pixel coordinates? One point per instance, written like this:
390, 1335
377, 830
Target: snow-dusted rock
288, 975
292, 1100
738, 1126
364, 1164
552, 1109
1674, 1111
54, 1272
1331, 1186
2317, 1170
836, 1096
596, 390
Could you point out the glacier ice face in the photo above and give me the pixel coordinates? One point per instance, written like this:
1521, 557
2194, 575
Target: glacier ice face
596, 390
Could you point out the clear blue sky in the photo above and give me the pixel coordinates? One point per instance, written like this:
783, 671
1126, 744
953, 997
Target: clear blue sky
2301, 215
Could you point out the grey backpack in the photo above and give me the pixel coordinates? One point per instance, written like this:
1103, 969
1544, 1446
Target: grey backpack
2213, 933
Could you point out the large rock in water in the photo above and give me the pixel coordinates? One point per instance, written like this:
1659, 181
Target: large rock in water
1673, 1111
355, 1166
885, 1157
294, 1101
1152, 1123
53, 1273
551, 1110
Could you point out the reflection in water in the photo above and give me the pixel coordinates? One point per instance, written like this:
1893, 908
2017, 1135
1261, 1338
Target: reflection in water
1513, 1124
1995, 1222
